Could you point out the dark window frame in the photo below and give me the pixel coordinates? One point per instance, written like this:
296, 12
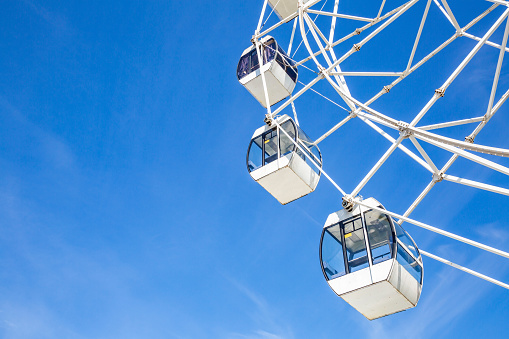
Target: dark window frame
263, 147
296, 138
393, 247
421, 273
278, 55
342, 234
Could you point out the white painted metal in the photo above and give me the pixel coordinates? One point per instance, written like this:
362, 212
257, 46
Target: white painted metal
262, 15
464, 269
285, 8
480, 185
439, 231
355, 32
499, 67
451, 123
271, 76
279, 84
378, 290
417, 38
289, 177
299, 147
488, 43
336, 15
340, 80
381, 9
288, 10
333, 23
424, 154
368, 74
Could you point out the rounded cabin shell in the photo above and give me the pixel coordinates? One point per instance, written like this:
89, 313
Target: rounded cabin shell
279, 70
285, 8
278, 165
370, 261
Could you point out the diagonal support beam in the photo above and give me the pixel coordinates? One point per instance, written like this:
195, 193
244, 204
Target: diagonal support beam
464, 269
437, 230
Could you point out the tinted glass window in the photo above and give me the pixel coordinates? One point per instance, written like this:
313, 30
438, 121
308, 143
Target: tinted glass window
249, 62
316, 153
269, 51
379, 235
304, 137
280, 60
286, 63
292, 73
357, 256
307, 156
244, 67
286, 145
409, 264
312, 148
333, 262
254, 160
270, 146
254, 61
403, 236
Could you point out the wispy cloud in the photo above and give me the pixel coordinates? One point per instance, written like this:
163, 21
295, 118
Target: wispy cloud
264, 316
33, 321
256, 335
54, 19
51, 148
494, 234
452, 287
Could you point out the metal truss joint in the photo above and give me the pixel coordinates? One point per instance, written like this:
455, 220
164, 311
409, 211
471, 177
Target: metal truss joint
348, 203
322, 71
387, 89
357, 47
470, 139
404, 131
438, 176
255, 36
268, 119
358, 31
440, 92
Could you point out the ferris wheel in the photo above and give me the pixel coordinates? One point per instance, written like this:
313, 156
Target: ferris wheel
316, 46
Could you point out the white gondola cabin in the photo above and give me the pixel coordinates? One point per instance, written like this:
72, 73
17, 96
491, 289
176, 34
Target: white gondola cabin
279, 70
285, 8
370, 261
276, 163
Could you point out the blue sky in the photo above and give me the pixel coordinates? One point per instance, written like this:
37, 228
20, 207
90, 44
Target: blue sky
126, 210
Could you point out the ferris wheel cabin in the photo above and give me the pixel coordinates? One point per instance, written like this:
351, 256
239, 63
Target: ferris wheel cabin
285, 8
275, 162
279, 70
370, 261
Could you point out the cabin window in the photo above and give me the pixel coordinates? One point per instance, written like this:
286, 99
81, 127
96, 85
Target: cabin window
269, 51
333, 261
309, 148
270, 146
380, 236
286, 63
355, 245
409, 263
244, 67
254, 160
286, 145
254, 61
403, 236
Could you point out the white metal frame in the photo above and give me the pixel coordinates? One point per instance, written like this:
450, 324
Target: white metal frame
332, 73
